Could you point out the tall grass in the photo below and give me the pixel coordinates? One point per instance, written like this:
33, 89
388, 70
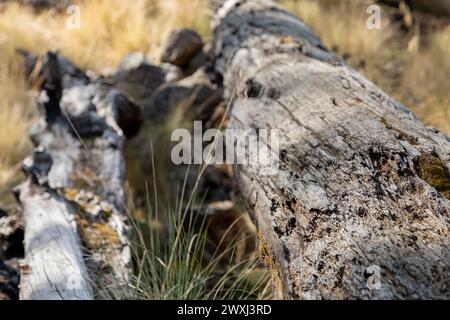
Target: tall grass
17, 109
175, 255
171, 263
414, 71
342, 25
109, 29
425, 83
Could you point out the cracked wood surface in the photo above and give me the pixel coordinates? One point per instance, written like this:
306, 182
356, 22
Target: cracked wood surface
76, 233
360, 182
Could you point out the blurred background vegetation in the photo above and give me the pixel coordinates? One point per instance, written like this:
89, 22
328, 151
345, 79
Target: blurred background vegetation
409, 58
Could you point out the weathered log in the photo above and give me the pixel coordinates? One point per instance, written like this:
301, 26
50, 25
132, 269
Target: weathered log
361, 183
54, 267
76, 186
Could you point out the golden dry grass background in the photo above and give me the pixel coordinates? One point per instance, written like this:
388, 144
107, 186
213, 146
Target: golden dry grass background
411, 66
414, 71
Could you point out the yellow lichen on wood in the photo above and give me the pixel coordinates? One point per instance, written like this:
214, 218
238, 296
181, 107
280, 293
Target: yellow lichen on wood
70, 193
97, 235
88, 202
266, 256
85, 178
435, 173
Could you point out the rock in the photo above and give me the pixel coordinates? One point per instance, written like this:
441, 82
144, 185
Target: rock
181, 46
140, 81
138, 77
194, 94
129, 116
164, 99
197, 61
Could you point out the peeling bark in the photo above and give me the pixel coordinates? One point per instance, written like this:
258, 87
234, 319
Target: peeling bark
360, 181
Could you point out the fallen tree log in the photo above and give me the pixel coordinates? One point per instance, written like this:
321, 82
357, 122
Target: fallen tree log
54, 267
362, 186
76, 187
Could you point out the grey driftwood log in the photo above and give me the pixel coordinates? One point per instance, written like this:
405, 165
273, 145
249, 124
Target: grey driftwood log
362, 185
76, 233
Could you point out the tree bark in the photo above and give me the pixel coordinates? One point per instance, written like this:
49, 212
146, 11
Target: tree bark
76, 187
361, 185
54, 268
